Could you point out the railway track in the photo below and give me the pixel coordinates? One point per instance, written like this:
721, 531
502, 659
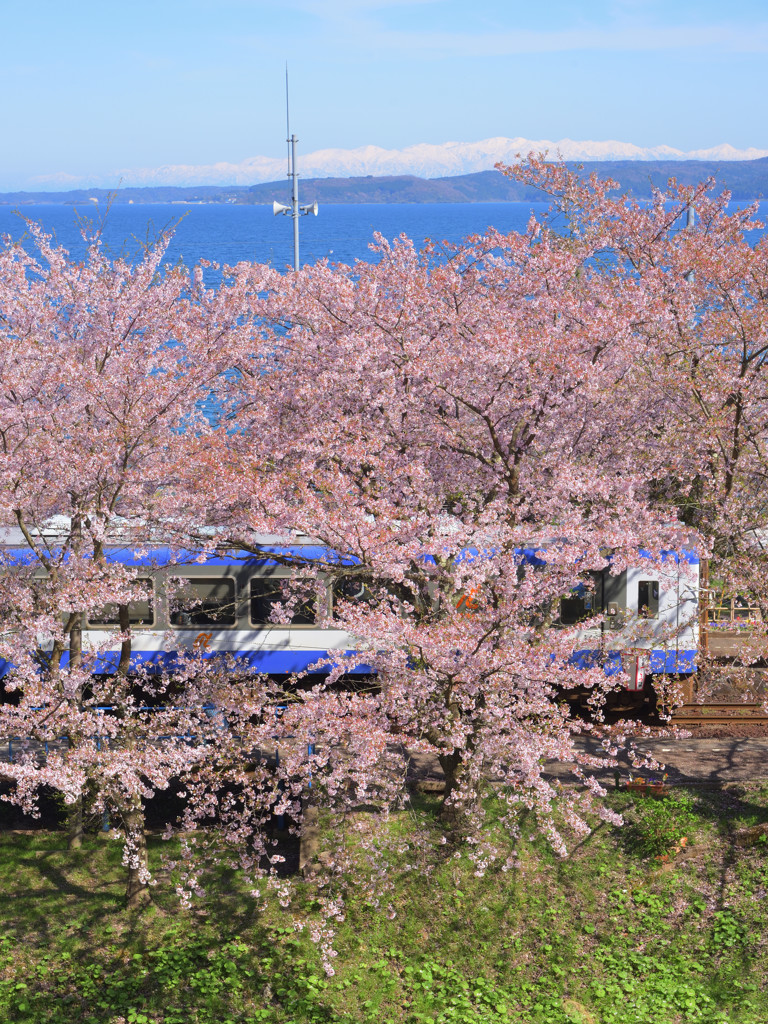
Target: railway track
719, 714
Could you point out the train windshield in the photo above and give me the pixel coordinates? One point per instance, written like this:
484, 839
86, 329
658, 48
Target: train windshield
582, 601
575, 609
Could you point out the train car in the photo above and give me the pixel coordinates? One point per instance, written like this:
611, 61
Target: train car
222, 604
213, 604
648, 620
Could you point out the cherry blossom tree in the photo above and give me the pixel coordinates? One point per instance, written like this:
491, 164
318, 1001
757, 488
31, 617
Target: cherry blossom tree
464, 433
105, 368
438, 420
703, 271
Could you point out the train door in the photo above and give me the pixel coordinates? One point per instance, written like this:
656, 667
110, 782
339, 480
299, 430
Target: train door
614, 601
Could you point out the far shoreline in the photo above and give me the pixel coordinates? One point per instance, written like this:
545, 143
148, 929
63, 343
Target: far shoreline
747, 180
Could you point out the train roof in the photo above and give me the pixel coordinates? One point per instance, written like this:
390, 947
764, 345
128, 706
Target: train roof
268, 549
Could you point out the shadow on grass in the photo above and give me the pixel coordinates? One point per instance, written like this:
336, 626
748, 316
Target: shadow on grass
87, 958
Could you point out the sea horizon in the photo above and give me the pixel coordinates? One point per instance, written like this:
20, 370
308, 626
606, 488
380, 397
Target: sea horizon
227, 233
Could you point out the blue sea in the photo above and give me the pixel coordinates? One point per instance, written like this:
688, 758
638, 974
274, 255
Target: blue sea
226, 233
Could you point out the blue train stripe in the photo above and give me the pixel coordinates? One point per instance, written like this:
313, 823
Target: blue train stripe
274, 661
660, 662
166, 557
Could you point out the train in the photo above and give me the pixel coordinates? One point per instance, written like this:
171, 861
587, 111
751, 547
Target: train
648, 614
649, 618
222, 603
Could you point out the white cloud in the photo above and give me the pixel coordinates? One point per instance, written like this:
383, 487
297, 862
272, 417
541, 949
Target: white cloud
423, 160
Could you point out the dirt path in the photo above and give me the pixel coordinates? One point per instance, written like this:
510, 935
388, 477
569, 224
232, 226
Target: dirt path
686, 761
691, 760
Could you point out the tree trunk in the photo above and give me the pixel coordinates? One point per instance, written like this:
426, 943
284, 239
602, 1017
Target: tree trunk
137, 889
75, 825
452, 765
75, 816
125, 646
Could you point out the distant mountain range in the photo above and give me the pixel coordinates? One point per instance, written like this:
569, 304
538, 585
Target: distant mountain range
459, 158
424, 160
746, 179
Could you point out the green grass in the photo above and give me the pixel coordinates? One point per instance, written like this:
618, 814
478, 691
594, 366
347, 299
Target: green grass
635, 926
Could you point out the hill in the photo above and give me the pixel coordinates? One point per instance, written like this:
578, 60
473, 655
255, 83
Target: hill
746, 179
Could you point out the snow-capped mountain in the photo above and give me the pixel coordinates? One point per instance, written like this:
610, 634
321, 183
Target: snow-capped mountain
423, 160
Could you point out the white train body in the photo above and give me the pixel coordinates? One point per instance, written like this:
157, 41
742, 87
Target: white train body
647, 615
649, 619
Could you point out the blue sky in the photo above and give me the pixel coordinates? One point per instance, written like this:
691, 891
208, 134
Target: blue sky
91, 88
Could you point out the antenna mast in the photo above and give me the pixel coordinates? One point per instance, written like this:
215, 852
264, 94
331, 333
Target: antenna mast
690, 222
294, 209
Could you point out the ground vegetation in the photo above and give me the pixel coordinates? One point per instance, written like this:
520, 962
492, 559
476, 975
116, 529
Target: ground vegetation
659, 921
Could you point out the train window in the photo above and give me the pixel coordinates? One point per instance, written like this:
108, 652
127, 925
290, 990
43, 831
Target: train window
205, 602
354, 589
267, 592
140, 612
575, 609
648, 599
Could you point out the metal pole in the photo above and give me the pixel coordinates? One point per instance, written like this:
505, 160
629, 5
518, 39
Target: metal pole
295, 203
294, 209
690, 222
